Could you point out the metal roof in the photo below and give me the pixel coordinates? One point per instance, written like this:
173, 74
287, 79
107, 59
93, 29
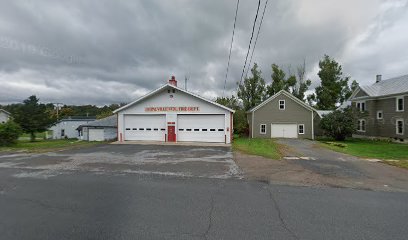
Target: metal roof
390, 86
2, 110
110, 121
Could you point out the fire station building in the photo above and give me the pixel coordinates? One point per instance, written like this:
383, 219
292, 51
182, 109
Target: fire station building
173, 114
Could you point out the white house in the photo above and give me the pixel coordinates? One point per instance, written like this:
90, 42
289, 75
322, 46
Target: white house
4, 116
104, 129
67, 127
172, 114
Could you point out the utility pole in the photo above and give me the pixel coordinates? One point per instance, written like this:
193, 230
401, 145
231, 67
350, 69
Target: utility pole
57, 104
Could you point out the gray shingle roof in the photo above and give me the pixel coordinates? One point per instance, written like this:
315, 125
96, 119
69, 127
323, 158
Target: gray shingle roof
110, 121
387, 87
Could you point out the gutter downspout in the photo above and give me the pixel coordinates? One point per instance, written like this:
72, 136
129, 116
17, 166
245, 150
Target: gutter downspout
313, 137
252, 125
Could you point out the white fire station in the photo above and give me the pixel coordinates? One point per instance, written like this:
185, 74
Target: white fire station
173, 114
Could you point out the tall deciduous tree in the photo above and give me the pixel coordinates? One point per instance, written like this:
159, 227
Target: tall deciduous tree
333, 88
252, 91
295, 84
32, 116
230, 102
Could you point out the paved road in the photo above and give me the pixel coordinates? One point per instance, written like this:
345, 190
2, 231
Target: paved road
107, 201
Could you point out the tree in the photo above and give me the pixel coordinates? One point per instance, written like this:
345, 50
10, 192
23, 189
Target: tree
32, 116
296, 85
240, 120
334, 87
230, 102
302, 84
252, 91
9, 133
339, 124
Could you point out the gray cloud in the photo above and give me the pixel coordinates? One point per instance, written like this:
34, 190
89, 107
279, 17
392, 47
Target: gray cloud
100, 52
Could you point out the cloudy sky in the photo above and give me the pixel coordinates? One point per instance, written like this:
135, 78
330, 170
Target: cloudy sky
101, 52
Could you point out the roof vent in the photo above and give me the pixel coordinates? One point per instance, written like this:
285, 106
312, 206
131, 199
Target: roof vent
173, 81
378, 78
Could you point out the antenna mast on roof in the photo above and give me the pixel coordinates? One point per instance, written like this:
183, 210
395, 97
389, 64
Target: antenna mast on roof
185, 82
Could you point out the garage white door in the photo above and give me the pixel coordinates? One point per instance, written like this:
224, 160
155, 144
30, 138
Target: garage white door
284, 130
96, 134
145, 127
201, 128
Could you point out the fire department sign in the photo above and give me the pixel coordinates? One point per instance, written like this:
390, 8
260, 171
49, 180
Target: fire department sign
172, 109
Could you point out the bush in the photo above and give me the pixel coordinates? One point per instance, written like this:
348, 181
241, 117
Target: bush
339, 124
9, 133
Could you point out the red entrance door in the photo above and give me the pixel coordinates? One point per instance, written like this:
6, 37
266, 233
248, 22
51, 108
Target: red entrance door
171, 131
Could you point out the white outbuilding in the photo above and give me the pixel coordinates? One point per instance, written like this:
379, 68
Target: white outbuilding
4, 116
104, 129
172, 114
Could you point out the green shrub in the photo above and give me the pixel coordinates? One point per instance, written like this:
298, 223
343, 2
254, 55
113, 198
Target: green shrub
9, 133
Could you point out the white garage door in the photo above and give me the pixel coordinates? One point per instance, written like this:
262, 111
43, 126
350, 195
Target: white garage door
284, 130
145, 127
201, 128
96, 134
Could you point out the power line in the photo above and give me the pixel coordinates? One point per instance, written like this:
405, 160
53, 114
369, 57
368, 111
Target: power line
250, 41
229, 56
256, 39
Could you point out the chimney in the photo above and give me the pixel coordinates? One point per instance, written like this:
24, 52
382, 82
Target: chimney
378, 78
173, 81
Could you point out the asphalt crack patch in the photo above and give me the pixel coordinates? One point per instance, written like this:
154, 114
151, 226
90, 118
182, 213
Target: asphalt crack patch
282, 221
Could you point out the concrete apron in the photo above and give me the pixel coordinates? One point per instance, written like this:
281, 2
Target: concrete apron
198, 144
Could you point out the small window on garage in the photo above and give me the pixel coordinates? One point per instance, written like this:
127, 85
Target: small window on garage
148, 129
168, 91
220, 130
156, 129
174, 90
281, 104
141, 129
163, 129
380, 114
196, 129
400, 126
134, 129
262, 129
188, 129
128, 129
181, 129
212, 130
301, 128
204, 129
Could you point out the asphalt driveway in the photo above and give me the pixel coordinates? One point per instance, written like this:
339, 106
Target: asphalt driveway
182, 161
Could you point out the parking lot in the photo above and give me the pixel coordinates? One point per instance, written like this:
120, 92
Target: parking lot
182, 161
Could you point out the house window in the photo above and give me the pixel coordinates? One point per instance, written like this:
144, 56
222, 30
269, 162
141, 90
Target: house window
262, 129
301, 128
400, 104
361, 125
282, 104
361, 106
62, 132
400, 127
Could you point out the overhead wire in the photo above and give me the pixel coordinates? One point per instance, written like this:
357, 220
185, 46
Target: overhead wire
256, 39
250, 42
232, 41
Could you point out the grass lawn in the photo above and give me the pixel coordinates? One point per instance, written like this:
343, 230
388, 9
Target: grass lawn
46, 145
261, 147
372, 149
